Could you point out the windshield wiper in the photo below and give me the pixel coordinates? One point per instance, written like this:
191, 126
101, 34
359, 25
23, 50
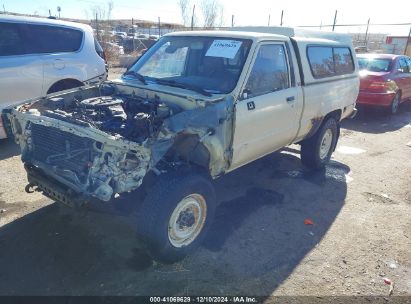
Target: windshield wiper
137, 75
173, 83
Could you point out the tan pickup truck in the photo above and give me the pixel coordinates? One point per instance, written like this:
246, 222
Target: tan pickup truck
195, 106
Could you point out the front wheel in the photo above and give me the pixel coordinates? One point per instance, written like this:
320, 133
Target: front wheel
316, 151
175, 215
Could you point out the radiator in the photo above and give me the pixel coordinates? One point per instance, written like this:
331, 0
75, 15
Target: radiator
62, 150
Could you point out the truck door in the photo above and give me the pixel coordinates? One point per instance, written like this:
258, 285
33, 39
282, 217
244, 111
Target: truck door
267, 114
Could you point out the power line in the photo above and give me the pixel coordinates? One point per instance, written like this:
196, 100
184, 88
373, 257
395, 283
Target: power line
359, 24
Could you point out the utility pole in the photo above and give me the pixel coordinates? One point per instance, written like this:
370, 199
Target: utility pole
335, 19
408, 41
269, 17
4, 9
282, 15
192, 17
232, 20
98, 34
49, 13
366, 32
159, 28
321, 25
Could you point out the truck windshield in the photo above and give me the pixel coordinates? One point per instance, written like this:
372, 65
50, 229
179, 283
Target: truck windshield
208, 64
374, 64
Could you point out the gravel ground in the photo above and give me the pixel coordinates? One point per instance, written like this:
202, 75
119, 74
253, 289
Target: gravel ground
360, 206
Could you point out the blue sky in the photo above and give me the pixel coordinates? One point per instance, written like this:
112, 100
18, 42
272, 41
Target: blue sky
296, 12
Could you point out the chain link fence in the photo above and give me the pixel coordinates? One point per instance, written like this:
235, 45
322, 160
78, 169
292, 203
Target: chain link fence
125, 42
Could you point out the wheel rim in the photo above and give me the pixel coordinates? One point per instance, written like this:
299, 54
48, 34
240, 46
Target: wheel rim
395, 104
326, 143
187, 220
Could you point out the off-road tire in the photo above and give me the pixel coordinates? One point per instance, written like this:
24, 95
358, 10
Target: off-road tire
310, 148
154, 213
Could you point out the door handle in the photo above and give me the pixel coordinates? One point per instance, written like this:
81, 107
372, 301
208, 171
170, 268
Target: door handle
290, 98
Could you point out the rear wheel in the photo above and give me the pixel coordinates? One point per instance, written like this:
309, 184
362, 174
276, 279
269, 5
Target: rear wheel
64, 84
316, 151
175, 215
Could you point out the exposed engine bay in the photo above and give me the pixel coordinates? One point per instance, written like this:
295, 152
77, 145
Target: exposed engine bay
96, 144
132, 117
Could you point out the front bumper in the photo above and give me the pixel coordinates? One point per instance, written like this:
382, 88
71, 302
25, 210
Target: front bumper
375, 99
83, 159
53, 189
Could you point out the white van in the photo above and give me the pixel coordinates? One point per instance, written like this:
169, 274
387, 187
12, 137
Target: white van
194, 107
40, 56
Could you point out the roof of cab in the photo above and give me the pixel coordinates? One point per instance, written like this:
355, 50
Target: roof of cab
268, 33
296, 32
44, 21
229, 34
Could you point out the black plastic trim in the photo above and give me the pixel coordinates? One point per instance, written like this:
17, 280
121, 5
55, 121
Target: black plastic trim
297, 54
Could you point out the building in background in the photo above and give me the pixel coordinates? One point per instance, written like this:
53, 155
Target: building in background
370, 43
397, 44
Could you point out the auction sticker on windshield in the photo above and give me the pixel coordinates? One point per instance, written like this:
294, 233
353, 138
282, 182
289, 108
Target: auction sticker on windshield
224, 48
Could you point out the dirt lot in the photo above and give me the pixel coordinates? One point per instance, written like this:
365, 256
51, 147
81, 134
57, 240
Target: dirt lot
259, 245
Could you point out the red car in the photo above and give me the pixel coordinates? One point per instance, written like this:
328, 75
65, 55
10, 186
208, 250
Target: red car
385, 80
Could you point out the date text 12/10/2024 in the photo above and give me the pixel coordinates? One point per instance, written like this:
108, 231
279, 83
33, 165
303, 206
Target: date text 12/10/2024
208, 299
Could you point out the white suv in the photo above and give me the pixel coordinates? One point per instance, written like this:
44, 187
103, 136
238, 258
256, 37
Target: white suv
41, 56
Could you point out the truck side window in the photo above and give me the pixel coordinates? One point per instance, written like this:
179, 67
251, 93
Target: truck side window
343, 60
321, 61
326, 61
270, 71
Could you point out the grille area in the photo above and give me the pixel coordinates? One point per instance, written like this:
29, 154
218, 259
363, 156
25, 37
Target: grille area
63, 150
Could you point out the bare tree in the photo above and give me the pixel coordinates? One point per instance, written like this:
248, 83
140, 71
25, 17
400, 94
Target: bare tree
212, 11
185, 11
221, 16
98, 12
101, 23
